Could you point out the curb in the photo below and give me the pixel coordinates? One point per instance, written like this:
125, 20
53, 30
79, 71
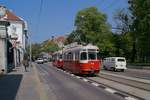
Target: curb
41, 91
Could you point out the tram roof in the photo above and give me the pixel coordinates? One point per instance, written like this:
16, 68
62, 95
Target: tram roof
81, 47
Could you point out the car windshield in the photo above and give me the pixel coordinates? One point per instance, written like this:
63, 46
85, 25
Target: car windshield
121, 60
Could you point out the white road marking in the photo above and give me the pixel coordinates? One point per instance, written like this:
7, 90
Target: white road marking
85, 80
95, 84
72, 74
130, 98
78, 77
110, 90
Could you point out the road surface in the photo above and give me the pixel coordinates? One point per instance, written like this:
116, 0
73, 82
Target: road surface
62, 86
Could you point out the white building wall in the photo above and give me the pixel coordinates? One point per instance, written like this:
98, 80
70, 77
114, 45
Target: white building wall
16, 28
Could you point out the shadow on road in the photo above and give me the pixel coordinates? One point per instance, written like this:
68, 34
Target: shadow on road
9, 85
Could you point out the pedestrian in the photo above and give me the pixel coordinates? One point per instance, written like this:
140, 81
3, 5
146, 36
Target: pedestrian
25, 62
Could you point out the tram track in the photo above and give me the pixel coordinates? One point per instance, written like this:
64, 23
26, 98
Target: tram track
133, 83
108, 88
116, 91
134, 90
124, 88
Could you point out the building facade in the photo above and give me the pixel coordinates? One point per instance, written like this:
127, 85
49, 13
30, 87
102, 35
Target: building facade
17, 37
18, 33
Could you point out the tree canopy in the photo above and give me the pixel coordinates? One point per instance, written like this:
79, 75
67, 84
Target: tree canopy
140, 10
92, 27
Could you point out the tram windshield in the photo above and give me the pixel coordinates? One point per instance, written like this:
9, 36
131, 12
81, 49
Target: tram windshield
83, 56
92, 55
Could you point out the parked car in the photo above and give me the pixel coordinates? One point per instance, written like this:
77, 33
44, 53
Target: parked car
40, 61
114, 63
45, 60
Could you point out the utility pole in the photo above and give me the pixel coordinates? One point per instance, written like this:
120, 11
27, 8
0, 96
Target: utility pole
30, 47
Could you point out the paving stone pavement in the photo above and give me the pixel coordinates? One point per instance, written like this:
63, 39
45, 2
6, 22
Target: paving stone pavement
20, 85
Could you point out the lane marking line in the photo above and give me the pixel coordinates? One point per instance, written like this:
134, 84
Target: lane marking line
95, 84
130, 98
85, 80
72, 74
78, 77
110, 90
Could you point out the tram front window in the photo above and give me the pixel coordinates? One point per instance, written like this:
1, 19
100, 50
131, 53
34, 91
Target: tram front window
92, 55
83, 56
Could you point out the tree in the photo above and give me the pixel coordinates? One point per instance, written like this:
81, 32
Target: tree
141, 22
91, 27
35, 50
123, 45
125, 40
49, 46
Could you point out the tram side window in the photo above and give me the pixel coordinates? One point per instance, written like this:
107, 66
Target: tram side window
69, 56
60, 56
66, 56
76, 55
83, 56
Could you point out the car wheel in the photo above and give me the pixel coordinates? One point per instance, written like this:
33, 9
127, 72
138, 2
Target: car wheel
114, 69
122, 70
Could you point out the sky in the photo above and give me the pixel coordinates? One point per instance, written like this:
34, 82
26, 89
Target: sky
47, 18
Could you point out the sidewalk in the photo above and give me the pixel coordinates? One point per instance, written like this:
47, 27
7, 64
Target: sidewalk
21, 85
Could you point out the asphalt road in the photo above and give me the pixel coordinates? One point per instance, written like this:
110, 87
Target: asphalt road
142, 74
61, 86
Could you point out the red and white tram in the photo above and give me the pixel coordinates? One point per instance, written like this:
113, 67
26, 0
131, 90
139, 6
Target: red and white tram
81, 59
57, 59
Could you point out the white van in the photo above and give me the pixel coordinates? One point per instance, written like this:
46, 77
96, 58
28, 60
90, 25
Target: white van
114, 63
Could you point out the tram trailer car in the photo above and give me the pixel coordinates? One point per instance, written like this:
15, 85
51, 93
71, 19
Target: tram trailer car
81, 59
57, 59
54, 59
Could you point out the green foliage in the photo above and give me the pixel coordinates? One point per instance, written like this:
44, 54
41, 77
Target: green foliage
140, 10
123, 45
47, 46
35, 50
91, 27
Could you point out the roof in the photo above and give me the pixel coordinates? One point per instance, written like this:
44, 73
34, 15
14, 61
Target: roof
81, 47
11, 16
60, 39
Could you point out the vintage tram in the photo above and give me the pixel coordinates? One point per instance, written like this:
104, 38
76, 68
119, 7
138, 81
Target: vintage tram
57, 59
81, 59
